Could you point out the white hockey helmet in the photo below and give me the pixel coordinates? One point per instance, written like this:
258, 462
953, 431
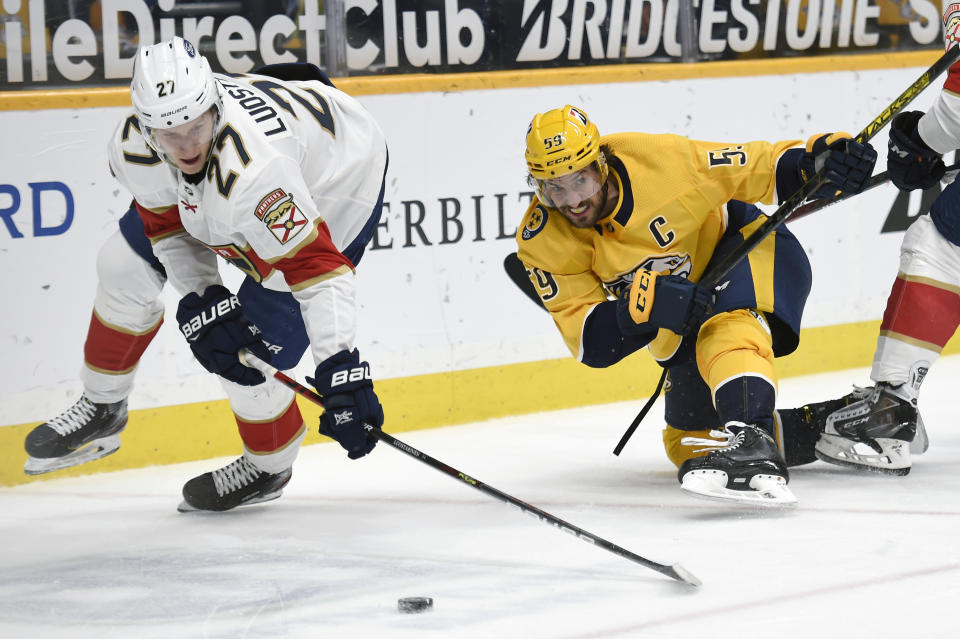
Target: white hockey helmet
172, 85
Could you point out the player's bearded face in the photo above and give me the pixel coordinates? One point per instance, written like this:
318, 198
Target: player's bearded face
578, 196
187, 145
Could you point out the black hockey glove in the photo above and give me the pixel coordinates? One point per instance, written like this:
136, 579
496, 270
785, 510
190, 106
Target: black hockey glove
910, 162
847, 163
216, 330
349, 402
662, 301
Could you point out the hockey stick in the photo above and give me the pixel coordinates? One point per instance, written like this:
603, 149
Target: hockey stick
712, 278
517, 273
793, 206
675, 571
875, 181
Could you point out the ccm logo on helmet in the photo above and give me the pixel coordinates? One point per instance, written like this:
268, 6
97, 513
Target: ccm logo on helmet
566, 158
209, 316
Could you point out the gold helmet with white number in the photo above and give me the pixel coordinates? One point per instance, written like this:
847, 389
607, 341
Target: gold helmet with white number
562, 141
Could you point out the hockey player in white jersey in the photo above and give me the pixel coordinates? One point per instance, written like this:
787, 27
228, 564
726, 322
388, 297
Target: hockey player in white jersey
284, 179
878, 427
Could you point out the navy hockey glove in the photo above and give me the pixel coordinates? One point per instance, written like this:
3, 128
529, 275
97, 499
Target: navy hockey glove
847, 164
216, 330
349, 402
910, 162
662, 301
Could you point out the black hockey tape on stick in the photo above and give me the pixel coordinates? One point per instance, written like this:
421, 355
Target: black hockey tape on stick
675, 571
712, 278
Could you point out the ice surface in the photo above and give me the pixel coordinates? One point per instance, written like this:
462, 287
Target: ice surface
108, 556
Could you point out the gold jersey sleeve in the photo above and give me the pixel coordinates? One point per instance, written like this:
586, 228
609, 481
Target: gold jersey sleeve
669, 217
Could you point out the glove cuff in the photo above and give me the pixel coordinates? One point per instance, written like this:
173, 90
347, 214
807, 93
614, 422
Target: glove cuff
826, 140
908, 124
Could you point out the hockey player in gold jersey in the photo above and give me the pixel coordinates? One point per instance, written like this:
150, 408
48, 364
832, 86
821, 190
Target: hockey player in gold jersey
622, 228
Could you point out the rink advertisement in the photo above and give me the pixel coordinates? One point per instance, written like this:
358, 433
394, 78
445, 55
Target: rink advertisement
449, 337
38, 211
53, 43
434, 298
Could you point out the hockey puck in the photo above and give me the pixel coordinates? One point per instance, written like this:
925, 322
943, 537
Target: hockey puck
414, 604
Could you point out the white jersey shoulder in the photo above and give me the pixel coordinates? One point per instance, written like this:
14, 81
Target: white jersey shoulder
940, 125
138, 168
304, 139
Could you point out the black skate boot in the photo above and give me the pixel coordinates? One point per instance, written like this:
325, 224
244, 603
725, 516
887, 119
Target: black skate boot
801, 427
239, 483
747, 468
873, 431
84, 432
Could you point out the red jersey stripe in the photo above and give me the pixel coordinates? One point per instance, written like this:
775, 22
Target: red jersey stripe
160, 225
922, 311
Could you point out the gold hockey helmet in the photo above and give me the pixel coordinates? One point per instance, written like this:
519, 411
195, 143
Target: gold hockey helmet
562, 141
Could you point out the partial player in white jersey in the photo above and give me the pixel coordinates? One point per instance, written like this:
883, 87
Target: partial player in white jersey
127, 313
282, 176
878, 427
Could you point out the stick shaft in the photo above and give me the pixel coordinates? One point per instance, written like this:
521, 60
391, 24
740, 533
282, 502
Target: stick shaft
674, 572
875, 181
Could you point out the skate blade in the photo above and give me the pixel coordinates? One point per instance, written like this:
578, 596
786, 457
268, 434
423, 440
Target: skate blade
97, 449
184, 507
893, 460
920, 442
765, 490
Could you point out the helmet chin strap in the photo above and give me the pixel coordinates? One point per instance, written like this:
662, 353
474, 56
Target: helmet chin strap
603, 201
196, 178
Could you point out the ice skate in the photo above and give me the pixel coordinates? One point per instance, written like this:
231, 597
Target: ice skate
744, 467
239, 483
84, 432
873, 431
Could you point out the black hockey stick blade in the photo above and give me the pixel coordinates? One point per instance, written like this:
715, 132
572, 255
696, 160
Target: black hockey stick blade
712, 278
517, 273
674, 571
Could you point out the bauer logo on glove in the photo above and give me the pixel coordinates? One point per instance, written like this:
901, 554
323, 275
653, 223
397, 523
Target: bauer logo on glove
357, 374
351, 408
208, 316
217, 330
